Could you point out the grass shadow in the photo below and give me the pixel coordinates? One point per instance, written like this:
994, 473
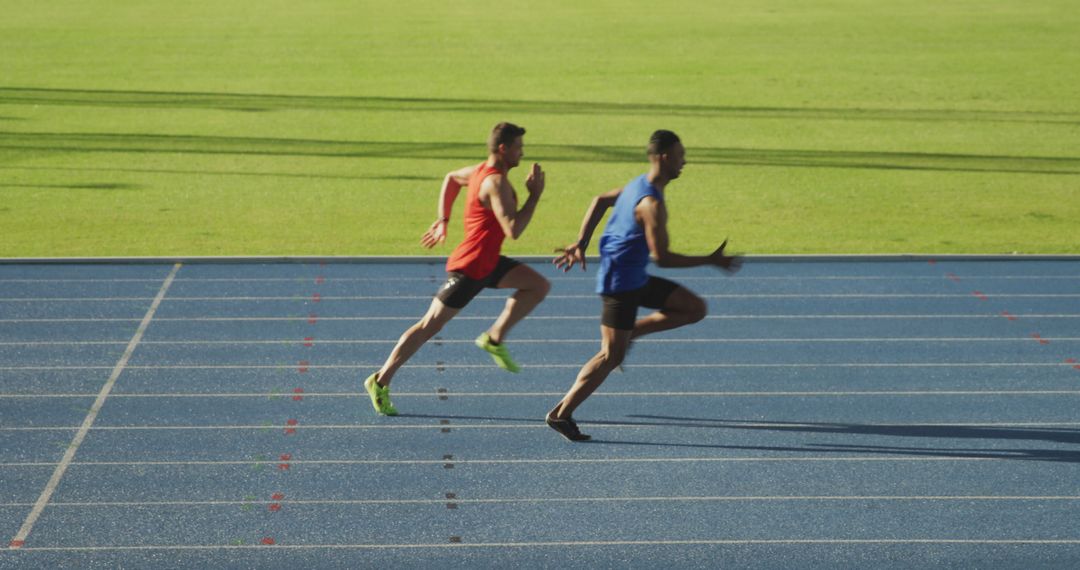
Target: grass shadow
788, 158
255, 103
244, 173
76, 186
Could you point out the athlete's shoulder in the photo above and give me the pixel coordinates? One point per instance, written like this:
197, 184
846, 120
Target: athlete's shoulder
638, 181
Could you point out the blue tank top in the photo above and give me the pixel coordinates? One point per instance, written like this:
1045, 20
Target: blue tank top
624, 252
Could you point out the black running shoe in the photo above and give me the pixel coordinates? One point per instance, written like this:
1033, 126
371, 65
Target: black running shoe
567, 429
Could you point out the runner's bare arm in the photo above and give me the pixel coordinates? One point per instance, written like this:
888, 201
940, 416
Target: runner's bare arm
653, 215
451, 187
501, 199
575, 252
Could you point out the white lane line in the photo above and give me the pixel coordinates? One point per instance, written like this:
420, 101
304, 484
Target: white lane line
75, 320
364, 366
503, 298
559, 278
1018, 339
543, 318
543, 500
690, 423
72, 299
997, 456
562, 544
64, 343
718, 394
88, 422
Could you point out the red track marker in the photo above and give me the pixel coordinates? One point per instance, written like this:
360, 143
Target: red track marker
275, 507
1039, 338
316, 298
17, 543
309, 341
292, 427
298, 397
320, 280
980, 295
277, 496
303, 366
269, 541
312, 318
1008, 315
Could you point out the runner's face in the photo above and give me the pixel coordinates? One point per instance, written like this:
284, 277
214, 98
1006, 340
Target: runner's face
674, 160
513, 153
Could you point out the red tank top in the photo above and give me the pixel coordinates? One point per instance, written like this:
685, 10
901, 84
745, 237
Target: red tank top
478, 254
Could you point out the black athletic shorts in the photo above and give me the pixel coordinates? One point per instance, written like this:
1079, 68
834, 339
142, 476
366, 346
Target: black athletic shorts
620, 309
459, 288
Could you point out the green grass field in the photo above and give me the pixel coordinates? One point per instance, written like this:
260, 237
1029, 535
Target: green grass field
325, 127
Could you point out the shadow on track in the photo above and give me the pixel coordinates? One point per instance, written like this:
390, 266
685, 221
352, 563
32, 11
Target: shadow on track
1055, 435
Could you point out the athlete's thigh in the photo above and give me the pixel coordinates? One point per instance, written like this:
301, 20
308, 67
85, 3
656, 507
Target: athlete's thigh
521, 277
614, 342
684, 300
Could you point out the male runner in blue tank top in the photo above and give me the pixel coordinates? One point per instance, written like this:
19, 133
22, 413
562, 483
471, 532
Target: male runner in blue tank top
636, 231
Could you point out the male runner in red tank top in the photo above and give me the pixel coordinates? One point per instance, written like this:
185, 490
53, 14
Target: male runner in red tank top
491, 214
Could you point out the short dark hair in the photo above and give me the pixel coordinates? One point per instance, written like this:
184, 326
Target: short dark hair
504, 133
661, 141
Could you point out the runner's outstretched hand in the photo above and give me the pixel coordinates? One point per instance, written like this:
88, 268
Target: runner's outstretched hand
571, 254
435, 235
729, 263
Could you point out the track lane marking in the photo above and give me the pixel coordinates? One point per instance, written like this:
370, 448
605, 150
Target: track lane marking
28, 524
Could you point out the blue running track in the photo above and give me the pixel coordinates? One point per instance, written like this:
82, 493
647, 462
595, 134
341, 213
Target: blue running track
828, 413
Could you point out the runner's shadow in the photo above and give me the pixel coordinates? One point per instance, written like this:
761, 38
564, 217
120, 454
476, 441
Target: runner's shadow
536, 420
1068, 436
1056, 435
1052, 455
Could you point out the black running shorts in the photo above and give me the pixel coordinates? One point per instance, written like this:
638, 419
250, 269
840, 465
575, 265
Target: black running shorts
620, 309
459, 289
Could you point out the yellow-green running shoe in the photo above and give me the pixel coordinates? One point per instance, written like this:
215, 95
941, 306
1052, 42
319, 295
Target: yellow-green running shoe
380, 396
498, 353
